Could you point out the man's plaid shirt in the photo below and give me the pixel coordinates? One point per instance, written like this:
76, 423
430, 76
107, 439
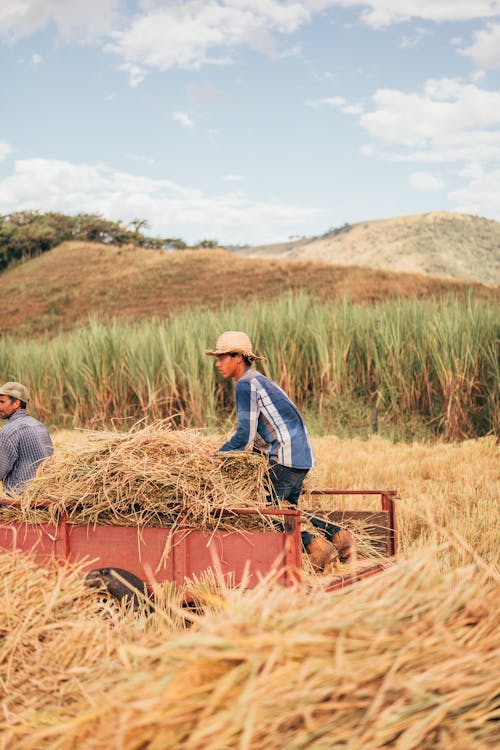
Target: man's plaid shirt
24, 443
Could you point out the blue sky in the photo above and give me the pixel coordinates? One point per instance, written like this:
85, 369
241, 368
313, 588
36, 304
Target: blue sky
250, 121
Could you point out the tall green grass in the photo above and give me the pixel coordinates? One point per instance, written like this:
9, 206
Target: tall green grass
435, 361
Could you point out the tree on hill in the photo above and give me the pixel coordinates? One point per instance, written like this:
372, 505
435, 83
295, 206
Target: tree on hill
207, 243
27, 234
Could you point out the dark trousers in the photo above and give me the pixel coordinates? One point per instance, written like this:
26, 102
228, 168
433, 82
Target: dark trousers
286, 484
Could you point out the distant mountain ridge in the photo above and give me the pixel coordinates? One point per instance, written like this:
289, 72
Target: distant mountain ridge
451, 245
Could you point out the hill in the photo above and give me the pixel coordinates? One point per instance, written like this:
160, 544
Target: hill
454, 246
65, 285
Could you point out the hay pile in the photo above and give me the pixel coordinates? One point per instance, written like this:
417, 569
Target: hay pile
152, 476
409, 659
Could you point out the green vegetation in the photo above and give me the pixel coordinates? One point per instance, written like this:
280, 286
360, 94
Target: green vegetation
421, 363
28, 234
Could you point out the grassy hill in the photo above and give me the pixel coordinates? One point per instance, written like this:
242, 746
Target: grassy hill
454, 246
64, 286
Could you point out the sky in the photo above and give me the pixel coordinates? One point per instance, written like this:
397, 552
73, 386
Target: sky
250, 121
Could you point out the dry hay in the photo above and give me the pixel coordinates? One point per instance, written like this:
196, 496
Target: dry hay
153, 476
409, 659
51, 639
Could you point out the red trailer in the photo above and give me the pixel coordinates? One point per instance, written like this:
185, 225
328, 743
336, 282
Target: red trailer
146, 555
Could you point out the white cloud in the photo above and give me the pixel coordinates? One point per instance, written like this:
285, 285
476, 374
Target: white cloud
381, 13
446, 107
485, 51
193, 33
449, 122
135, 72
232, 178
5, 150
197, 25
170, 209
477, 75
22, 18
413, 41
36, 59
425, 181
183, 119
338, 102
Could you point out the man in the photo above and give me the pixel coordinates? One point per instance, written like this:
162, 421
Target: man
24, 442
270, 422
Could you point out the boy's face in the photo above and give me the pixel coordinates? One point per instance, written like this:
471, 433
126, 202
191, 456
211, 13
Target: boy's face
228, 364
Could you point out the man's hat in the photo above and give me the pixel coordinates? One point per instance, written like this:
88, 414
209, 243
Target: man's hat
15, 390
233, 342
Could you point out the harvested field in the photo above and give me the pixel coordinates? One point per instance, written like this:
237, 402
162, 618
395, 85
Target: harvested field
407, 659
449, 494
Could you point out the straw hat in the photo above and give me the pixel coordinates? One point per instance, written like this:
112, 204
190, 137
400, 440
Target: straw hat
233, 342
15, 390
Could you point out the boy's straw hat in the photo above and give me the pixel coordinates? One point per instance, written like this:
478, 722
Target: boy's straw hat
233, 342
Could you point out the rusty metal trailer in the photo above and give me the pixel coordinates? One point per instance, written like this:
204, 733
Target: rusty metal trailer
155, 555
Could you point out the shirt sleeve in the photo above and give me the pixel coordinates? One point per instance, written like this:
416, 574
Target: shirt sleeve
8, 456
246, 408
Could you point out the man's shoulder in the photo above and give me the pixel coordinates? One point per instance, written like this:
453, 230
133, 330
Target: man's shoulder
254, 375
21, 421
253, 380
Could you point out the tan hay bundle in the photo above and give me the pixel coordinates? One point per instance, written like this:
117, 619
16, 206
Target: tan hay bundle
151, 476
408, 660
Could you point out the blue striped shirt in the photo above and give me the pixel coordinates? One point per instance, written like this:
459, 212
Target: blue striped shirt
24, 443
269, 421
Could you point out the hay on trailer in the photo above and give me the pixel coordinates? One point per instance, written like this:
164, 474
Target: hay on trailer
153, 476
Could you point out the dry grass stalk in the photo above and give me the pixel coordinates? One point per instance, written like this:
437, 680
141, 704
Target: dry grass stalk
152, 476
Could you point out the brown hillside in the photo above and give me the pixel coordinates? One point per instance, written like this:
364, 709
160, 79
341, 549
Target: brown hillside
455, 246
62, 287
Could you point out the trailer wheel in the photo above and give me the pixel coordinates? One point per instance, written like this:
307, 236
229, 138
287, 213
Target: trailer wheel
121, 585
